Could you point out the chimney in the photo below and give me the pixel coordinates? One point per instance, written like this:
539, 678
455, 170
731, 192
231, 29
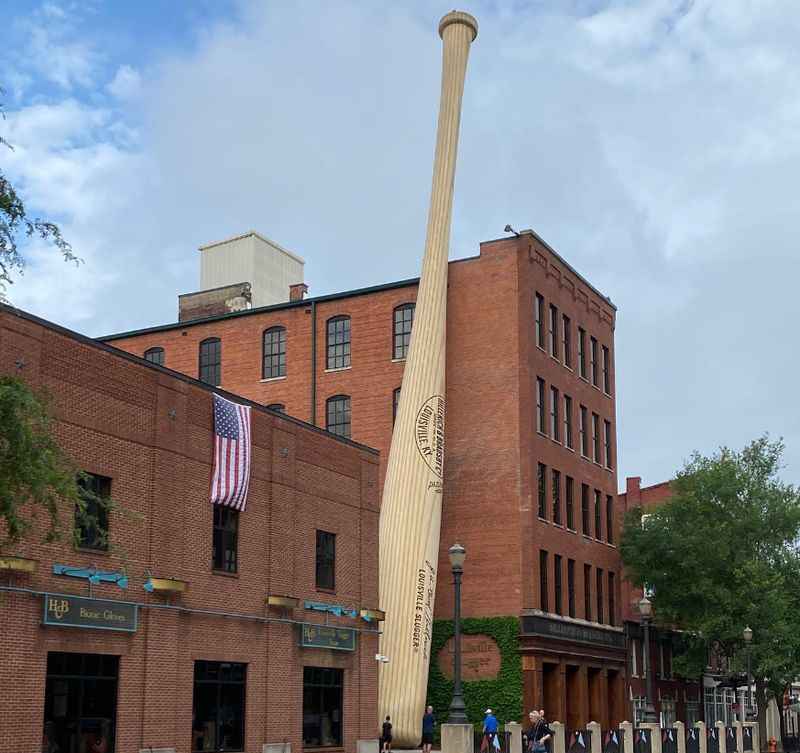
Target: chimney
214, 302
298, 291
633, 491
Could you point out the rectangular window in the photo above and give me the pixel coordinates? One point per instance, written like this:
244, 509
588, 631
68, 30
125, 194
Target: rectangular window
570, 495
556, 496
326, 560
555, 424
338, 343
566, 340
218, 705
395, 404
585, 510
598, 513
587, 592
91, 513
634, 658
568, 421
571, 587
401, 332
606, 372
543, 580
612, 607
552, 333
224, 550
609, 519
210, 367
600, 604
539, 313
338, 415
607, 443
557, 582
596, 437
542, 480
582, 352
593, 359
583, 432
540, 408
323, 707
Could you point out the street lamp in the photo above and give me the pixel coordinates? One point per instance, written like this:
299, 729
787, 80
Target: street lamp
458, 714
646, 611
747, 634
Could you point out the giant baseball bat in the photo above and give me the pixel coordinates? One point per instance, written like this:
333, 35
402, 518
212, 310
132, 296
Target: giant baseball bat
412, 494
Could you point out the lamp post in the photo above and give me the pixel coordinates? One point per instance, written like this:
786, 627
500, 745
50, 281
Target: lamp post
747, 634
646, 611
458, 714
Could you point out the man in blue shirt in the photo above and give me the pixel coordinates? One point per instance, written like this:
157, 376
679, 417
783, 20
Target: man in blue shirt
489, 731
428, 722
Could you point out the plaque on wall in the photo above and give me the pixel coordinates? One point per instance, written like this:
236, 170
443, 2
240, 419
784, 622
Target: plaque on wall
480, 658
94, 614
322, 636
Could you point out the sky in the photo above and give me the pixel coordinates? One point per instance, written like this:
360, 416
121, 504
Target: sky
654, 143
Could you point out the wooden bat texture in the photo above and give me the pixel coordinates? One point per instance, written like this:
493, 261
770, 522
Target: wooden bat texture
412, 495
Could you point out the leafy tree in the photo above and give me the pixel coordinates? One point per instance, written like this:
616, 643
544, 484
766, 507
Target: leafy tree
36, 476
16, 224
722, 554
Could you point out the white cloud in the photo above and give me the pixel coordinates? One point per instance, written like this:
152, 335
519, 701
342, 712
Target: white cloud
655, 144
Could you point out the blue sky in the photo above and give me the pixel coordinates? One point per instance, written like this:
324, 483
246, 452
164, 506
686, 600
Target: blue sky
654, 143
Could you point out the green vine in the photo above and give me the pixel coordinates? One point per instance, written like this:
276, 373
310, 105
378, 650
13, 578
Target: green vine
503, 694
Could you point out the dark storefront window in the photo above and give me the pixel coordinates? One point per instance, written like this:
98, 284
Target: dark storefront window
322, 707
226, 535
326, 560
218, 706
80, 706
91, 515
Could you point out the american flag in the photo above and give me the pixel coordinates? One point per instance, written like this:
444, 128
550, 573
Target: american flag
232, 445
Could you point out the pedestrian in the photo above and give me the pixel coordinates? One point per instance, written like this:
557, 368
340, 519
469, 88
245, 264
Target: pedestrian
538, 733
428, 725
386, 735
489, 741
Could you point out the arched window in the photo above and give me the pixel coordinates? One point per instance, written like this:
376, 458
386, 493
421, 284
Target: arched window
274, 348
277, 407
338, 342
210, 370
338, 415
395, 404
403, 319
154, 355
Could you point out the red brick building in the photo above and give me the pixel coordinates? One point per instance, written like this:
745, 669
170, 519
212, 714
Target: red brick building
675, 698
530, 485
204, 648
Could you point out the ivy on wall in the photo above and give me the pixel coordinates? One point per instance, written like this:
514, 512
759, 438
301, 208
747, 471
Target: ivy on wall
503, 694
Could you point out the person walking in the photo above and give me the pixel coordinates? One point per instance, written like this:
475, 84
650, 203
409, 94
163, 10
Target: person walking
428, 725
489, 732
538, 733
386, 735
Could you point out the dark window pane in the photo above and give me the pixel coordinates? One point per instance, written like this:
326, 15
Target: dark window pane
585, 510
600, 603
571, 587
542, 482
323, 708
338, 415
538, 306
582, 352
598, 526
91, 514
218, 708
555, 424
566, 341
610, 519
540, 407
210, 370
154, 355
557, 582
326, 560
587, 592
225, 539
401, 333
543, 580
557, 497
570, 494
568, 421
338, 342
277, 407
274, 353
552, 333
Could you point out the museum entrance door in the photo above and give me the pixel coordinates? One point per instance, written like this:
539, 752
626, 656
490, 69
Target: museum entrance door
80, 703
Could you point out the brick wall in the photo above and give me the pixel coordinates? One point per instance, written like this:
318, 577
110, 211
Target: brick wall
151, 433
492, 447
